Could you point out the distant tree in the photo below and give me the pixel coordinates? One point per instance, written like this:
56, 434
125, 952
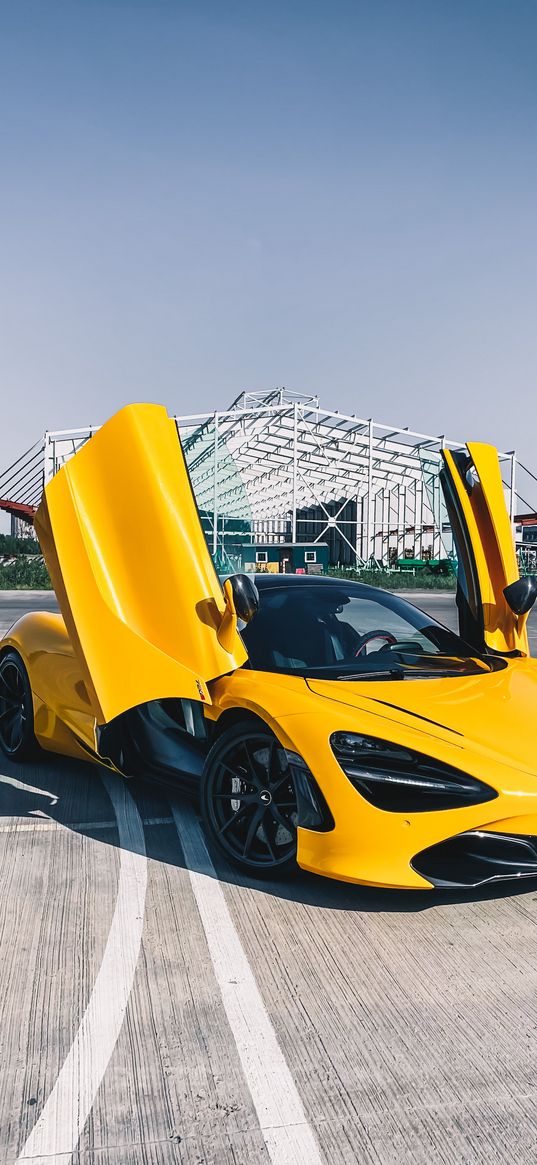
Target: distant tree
10, 545
25, 574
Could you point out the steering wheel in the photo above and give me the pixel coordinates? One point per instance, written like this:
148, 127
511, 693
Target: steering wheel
370, 636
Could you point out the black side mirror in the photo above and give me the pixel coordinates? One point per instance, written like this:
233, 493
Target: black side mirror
245, 597
522, 594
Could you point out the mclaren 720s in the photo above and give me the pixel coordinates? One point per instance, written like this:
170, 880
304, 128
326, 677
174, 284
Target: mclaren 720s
323, 723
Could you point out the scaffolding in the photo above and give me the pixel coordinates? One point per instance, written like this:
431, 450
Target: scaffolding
278, 467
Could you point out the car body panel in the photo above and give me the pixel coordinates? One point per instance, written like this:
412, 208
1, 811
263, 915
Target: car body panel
64, 720
489, 714
369, 845
487, 554
120, 532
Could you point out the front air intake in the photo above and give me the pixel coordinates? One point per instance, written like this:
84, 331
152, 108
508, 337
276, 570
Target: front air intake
475, 858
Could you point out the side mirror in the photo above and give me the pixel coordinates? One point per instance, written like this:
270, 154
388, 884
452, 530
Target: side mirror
522, 594
245, 597
242, 602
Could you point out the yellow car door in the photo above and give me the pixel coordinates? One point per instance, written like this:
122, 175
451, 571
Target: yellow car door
141, 600
487, 563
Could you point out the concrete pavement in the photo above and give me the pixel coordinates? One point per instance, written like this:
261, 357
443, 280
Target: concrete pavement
168, 1010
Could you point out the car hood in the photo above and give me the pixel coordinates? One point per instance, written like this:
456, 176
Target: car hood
493, 714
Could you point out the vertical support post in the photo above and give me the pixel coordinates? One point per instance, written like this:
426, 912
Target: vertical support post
442, 549
369, 490
401, 511
295, 468
49, 467
419, 517
415, 511
435, 494
215, 486
393, 515
385, 540
357, 540
512, 498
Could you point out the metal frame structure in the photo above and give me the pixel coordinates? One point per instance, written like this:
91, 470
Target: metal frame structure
269, 457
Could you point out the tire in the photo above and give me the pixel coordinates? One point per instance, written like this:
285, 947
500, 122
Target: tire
248, 801
17, 740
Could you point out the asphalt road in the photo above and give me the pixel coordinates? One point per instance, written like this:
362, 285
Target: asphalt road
156, 1007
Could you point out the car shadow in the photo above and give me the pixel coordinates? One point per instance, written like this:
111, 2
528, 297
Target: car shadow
71, 794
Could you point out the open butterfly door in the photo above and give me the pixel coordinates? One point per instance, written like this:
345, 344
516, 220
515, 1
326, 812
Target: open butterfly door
122, 539
487, 562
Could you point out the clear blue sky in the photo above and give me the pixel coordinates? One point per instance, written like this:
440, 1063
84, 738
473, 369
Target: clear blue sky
197, 198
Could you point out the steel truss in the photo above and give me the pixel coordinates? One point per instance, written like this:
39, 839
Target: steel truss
262, 463
292, 454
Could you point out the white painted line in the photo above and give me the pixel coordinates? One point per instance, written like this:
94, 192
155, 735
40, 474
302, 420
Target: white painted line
27, 788
33, 825
66, 1110
288, 1135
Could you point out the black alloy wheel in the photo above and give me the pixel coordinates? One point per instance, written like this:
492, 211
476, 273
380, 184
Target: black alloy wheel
17, 738
248, 800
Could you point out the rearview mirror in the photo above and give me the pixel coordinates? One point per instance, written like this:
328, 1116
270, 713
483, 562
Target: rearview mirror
522, 594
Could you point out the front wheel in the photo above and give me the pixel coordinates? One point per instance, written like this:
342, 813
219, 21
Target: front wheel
248, 801
17, 738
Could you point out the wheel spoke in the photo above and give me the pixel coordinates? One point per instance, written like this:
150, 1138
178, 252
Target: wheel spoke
269, 821
246, 798
272, 764
251, 765
231, 820
282, 780
12, 728
10, 688
252, 829
235, 773
277, 816
9, 712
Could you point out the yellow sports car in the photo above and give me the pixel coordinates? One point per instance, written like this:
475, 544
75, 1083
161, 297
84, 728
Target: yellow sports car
324, 723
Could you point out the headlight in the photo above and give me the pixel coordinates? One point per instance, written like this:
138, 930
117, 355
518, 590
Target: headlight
401, 780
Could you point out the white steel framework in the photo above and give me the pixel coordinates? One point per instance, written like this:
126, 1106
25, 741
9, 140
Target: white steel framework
274, 463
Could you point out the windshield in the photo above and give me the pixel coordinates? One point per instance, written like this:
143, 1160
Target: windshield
352, 631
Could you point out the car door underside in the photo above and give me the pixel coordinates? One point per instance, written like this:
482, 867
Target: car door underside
165, 738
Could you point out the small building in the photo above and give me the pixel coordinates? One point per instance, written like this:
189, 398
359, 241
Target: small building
526, 530
286, 557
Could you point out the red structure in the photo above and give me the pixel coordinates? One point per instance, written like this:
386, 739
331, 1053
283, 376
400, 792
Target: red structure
21, 485
18, 510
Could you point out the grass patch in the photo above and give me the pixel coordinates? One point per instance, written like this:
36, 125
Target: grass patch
393, 580
30, 573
